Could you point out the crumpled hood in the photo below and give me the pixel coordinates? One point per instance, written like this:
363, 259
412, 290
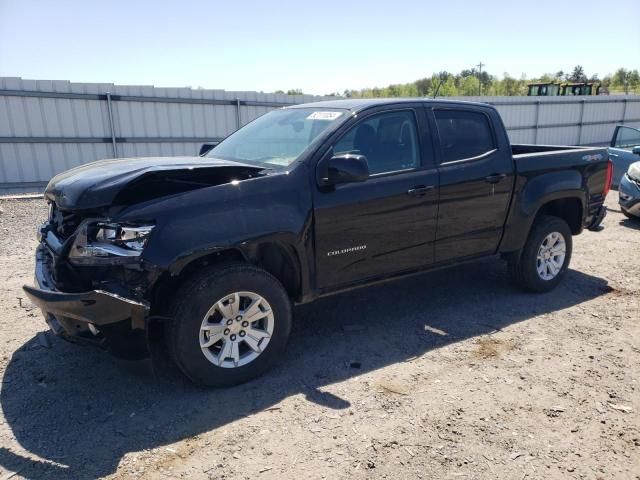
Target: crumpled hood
98, 184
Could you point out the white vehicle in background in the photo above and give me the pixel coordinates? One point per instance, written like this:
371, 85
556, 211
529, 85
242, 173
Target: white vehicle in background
629, 191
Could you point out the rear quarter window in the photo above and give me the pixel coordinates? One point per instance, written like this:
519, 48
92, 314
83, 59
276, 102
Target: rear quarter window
463, 134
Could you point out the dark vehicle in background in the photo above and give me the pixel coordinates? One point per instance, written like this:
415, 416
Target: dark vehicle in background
544, 89
208, 254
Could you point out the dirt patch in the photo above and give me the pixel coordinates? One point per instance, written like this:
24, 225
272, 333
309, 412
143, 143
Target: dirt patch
454, 374
491, 347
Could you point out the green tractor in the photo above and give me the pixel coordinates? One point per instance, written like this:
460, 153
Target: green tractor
566, 89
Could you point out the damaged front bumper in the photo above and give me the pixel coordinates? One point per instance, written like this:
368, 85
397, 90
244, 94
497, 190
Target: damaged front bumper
95, 316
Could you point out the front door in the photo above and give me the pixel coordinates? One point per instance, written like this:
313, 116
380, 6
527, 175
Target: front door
387, 223
620, 152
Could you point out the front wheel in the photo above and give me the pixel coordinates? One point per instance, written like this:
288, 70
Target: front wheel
545, 257
230, 323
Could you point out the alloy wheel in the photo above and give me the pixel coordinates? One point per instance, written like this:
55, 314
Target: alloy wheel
236, 329
551, 256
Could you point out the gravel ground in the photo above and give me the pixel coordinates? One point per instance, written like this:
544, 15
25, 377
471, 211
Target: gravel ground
453, 374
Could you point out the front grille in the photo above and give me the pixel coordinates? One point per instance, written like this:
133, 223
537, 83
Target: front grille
64, 222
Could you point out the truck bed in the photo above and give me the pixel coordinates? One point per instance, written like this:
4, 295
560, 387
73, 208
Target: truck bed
588, 163
539, 158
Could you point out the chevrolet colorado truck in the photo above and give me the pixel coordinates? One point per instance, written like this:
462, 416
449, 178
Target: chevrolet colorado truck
208, 254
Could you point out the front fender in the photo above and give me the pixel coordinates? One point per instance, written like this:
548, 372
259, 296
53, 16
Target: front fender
239, 216
531, 195
249, 249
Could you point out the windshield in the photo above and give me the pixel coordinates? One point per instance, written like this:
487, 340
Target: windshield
277, 138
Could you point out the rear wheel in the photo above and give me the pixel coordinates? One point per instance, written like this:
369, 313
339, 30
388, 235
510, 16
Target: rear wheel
545, 257
230, 323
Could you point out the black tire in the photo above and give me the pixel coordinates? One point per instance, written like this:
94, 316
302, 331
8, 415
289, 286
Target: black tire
524, 272
197, 295
628, 215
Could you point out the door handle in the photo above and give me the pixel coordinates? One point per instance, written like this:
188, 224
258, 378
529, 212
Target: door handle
495, 178
614, 155
419, 190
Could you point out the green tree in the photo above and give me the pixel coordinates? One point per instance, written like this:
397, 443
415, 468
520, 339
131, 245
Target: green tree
449, 88
625, 80
619, 78
466, 83
468, 86
487, 80
633, 79
578, 74
509, 86
423, 86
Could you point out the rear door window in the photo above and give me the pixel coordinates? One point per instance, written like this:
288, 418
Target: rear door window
463, 134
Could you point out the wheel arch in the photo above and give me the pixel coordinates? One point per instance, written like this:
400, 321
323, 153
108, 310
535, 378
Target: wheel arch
278, 258
561, 194
570, 209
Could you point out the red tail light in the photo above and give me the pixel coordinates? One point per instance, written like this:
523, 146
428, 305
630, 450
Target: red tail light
609, 179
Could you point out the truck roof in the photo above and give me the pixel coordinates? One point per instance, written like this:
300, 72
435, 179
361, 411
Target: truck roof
358, 104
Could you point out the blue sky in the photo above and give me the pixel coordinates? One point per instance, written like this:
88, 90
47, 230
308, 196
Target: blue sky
318, 46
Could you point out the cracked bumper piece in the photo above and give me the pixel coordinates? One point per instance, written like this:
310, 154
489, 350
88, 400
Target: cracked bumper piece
96, 307
72, 314
598, 218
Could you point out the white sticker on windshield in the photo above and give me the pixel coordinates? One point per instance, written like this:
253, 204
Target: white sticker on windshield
324, 116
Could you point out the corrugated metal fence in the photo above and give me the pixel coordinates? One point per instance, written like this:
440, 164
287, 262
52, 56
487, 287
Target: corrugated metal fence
564, 120
49, 126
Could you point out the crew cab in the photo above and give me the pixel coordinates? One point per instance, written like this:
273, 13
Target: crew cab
208, 254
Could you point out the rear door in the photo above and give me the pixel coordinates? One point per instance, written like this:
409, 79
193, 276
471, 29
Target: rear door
387, 223
476, 179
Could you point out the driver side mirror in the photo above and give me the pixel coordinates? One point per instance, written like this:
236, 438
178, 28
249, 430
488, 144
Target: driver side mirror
347, 168
636, 150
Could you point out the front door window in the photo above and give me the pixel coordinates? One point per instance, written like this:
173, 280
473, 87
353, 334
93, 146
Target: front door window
388, 140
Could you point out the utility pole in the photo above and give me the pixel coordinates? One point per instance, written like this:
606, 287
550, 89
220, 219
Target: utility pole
480, 65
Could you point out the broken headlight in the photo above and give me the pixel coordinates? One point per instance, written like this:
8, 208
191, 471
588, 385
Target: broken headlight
108, 243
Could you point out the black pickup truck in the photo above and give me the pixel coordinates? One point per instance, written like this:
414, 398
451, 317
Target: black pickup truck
208, 254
